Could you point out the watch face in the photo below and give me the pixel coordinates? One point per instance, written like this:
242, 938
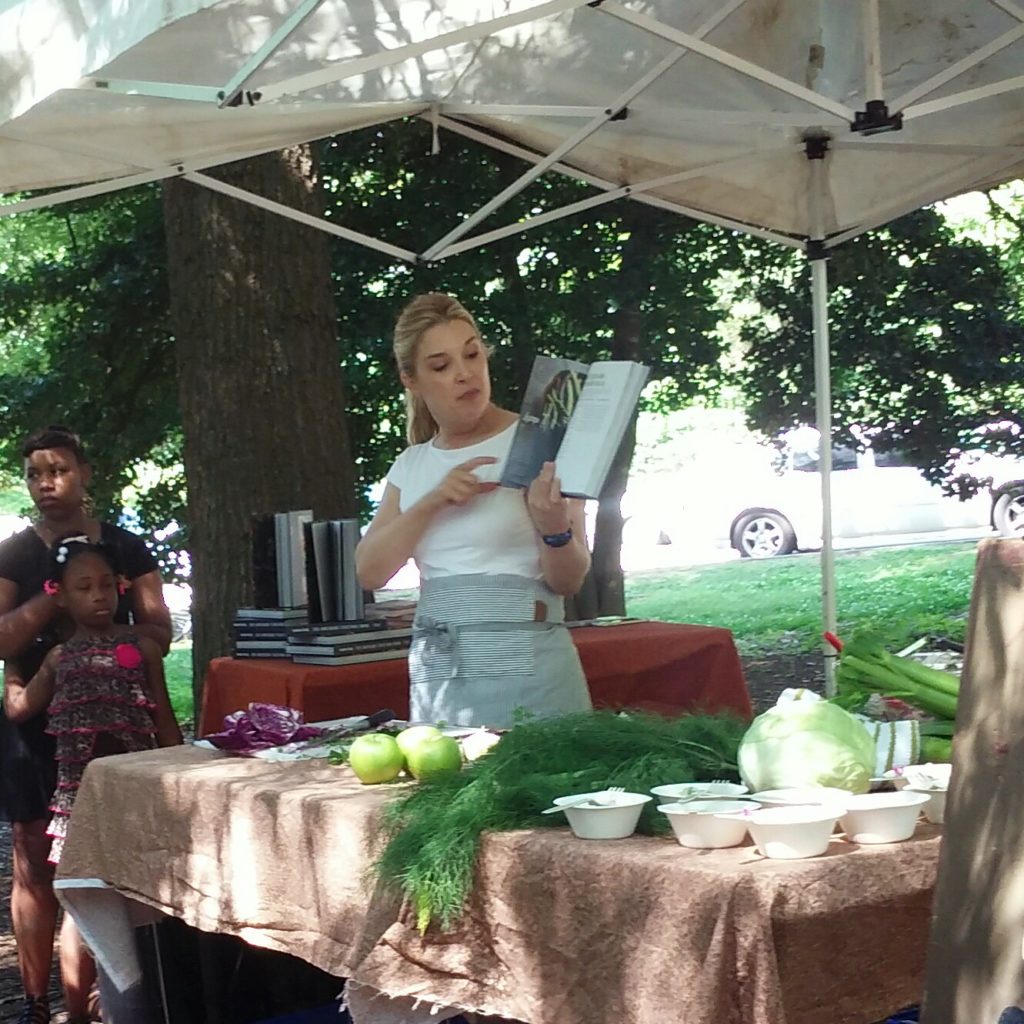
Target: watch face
558, 540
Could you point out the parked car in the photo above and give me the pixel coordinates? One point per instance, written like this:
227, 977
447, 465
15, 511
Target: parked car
873, 493
178, 598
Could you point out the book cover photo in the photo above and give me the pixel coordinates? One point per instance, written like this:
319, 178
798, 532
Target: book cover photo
551, 395
575, 416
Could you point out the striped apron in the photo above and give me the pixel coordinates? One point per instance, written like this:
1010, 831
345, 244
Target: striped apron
479, 655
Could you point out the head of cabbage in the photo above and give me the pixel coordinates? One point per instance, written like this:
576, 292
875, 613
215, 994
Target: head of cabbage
807, 743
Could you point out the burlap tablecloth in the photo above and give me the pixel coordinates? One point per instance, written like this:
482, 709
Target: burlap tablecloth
559, 930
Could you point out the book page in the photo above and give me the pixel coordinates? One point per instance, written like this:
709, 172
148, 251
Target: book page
551, 396
597, 426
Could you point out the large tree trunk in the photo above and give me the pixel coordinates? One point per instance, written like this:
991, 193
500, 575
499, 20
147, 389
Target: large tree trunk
261, 392
609, 582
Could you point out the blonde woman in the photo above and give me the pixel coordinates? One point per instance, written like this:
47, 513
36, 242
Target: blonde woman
489, 640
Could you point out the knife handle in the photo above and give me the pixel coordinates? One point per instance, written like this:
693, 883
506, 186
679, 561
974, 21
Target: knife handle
379, 718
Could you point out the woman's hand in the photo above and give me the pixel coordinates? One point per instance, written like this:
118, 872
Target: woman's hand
393, 535
22, 700
550, 511
462, 485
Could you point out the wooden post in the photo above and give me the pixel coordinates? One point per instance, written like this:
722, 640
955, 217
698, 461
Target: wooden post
975, 967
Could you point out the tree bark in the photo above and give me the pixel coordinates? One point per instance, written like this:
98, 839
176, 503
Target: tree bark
260, 385
609, 581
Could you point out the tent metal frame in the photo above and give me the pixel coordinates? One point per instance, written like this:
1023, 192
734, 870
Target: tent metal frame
825, 125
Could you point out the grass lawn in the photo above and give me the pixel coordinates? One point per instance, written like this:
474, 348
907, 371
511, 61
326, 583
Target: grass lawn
774, 607
178, 670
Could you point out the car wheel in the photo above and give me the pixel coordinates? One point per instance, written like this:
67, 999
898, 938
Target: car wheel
1008, 513
764, 535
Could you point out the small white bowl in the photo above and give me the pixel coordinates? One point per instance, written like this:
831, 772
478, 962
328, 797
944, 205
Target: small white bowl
710, 790
935, 808
791, 833
882, 817
615, 819
709, 824
801, 796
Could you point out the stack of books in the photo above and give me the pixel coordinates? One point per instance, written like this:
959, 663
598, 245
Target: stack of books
263, 632
300, 562
396, 613
346, 643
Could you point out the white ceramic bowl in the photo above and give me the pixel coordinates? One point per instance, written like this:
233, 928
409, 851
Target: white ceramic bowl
882, 817
935, 808
791, 833
613, 820
801, 796
709, 824
711, 790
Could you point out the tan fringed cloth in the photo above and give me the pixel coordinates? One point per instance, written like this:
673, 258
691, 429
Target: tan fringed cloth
559, 930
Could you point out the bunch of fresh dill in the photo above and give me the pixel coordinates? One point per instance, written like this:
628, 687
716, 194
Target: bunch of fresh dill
433, 832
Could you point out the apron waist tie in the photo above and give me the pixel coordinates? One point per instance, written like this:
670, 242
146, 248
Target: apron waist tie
443, 637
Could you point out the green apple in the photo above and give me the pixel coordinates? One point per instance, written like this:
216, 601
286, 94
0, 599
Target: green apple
376, 757
409, 739
434, 755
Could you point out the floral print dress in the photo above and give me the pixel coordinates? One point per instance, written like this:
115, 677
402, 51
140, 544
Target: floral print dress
100, 706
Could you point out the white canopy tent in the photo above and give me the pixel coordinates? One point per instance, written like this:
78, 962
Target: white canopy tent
805, 122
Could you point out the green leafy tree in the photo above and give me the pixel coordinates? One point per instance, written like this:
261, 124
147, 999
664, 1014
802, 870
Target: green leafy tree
926, 341
85, 341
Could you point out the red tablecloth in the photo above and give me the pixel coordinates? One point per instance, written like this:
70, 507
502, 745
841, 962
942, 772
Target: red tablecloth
658, 666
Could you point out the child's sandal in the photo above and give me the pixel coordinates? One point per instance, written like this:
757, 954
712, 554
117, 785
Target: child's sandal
35, 1011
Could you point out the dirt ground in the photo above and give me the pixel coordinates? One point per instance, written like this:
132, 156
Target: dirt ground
766, 678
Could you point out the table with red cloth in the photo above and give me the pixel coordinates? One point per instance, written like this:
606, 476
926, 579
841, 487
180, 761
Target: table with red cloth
656, 666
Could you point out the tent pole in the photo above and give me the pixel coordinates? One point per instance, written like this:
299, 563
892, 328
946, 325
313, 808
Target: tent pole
816, 153
823, 414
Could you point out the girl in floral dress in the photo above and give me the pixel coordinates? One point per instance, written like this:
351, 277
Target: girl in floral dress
104, 687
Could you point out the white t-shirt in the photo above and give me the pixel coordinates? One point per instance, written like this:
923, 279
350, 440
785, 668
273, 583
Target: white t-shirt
492, 534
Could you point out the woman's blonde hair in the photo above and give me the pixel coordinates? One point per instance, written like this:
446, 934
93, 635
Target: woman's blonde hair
421, 314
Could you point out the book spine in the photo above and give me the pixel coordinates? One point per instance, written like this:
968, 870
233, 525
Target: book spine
311, 582
340, 650
324, 576
297, 555
292, 616
356, 626
353, 592
338, 567
284, 567
348, 659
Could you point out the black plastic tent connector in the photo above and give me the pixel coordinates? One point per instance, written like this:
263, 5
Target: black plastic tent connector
875, 119
816, 146
816, 250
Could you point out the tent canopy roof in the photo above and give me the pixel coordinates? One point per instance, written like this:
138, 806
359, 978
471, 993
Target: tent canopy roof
703, 106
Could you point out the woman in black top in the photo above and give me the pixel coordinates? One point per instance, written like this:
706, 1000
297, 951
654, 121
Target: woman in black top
57, 474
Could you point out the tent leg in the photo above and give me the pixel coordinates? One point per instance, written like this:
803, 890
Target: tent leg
823, 414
